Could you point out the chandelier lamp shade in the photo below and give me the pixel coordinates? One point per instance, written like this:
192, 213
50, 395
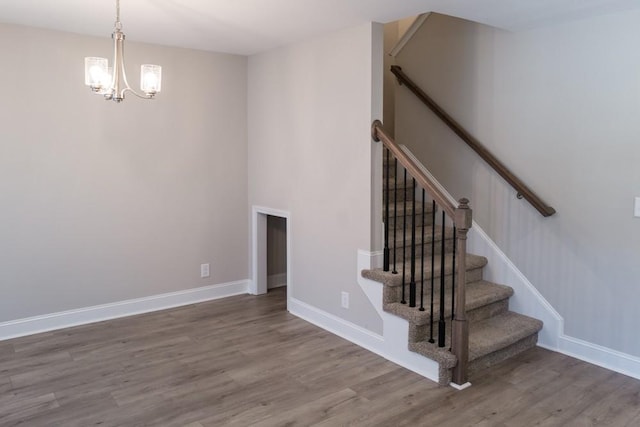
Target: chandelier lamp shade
111, 82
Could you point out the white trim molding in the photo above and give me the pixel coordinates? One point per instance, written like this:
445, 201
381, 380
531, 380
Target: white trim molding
99, 313
408, 35
604, 357
336, 325
259, 280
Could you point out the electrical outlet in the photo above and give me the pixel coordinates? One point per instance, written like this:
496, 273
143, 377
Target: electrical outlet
636, 208
204, 270
345, 300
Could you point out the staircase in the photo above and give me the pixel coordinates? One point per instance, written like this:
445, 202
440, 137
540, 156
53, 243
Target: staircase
495, 333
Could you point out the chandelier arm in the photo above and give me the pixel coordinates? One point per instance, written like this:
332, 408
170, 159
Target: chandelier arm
128, 89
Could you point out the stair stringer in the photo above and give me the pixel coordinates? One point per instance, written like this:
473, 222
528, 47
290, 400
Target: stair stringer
395, 330
500, 269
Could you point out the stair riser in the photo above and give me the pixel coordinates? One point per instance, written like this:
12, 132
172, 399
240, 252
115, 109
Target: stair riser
394, 293
503, 354
422, 332
448, 248
403, 192
399, 210
400, 196
390, 162
486, 311
401, 184
399, 224
394, 172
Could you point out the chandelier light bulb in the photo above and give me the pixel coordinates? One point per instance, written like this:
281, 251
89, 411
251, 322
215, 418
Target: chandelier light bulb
95, 70
150, 78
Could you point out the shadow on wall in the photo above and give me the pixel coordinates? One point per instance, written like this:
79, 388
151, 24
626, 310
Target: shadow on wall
276, 252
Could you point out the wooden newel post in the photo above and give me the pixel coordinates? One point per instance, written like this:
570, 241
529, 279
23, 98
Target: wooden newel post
460, 338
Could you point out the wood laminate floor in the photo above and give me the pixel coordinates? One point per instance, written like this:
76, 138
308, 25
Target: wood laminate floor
244, 361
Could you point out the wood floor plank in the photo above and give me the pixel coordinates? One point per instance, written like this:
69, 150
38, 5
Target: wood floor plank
5, 385
14, 409
24, 363
383, 387
613, 408
78, 410
315, 411
512, 397
7, 350
561, 400
245, 361
270, 395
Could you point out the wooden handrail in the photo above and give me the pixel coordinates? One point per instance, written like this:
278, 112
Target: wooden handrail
522, 190
378, 134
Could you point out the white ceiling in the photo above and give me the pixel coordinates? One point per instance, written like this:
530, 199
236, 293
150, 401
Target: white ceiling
250, 26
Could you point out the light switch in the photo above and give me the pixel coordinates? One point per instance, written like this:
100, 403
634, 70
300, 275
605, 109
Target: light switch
636, 208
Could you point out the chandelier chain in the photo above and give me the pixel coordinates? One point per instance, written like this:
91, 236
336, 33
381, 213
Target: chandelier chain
118, 24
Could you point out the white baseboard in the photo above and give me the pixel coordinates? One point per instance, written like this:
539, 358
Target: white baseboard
334, 324
98, 313
604, 357
380, 345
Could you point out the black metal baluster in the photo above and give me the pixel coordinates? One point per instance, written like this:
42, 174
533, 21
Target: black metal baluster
395, 210
412, 283
404, 241
386, 213
453, 282
433, 266
422, 259
442, 323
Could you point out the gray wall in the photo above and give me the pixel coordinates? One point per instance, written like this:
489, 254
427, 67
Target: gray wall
393, 32
102, 202
310, 153
560, 106
391, 36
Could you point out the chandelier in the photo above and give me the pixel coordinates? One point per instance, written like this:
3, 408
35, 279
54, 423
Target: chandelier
111, 82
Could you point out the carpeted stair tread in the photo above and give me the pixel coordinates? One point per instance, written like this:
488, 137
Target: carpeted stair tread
483, 293
399, 224
443, 356
401, 184
390, 279
400, 210
428, 237
498, 332
479, 294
